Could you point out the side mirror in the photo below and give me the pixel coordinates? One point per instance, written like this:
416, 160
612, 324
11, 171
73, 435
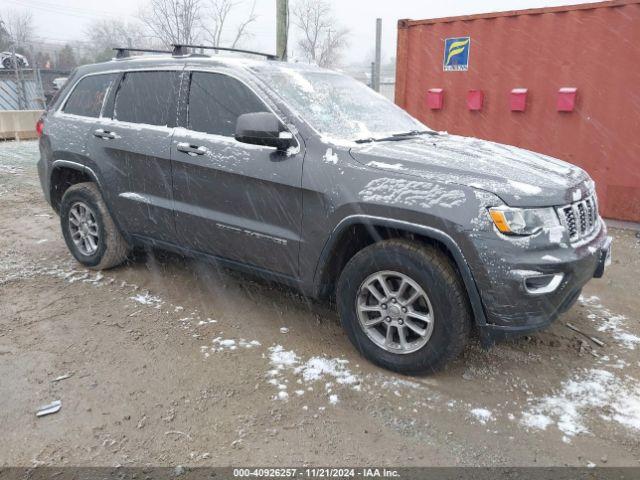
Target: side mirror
262, 128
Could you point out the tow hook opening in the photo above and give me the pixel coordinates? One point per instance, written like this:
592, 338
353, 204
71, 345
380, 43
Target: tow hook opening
541, 284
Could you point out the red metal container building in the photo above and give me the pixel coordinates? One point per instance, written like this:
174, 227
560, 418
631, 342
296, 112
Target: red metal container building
564, 81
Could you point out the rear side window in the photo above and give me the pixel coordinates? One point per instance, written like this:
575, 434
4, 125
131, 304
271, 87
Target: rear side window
216, 101
87, 97
146, 97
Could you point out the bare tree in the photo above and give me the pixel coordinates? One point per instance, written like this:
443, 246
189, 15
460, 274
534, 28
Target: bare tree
323, 40
221, 11
173, 21
103, 35
18, 30
66, 58
109, 33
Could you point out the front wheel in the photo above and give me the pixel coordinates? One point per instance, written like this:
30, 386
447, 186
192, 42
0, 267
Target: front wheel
88, 229
404, 307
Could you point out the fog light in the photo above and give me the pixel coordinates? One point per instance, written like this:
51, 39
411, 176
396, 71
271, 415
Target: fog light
541, 284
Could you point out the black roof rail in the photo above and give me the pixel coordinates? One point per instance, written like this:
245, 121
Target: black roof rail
179, 50
123, 52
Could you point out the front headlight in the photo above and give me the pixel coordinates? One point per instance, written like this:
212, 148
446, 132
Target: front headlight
523, 221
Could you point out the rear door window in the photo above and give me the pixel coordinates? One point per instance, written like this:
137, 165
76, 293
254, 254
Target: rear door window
87, 97
216, 101
147, 97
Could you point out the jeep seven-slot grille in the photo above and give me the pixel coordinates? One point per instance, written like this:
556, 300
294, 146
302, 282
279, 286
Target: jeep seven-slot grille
580, 218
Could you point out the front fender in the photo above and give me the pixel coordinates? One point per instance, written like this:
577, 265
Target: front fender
435, 234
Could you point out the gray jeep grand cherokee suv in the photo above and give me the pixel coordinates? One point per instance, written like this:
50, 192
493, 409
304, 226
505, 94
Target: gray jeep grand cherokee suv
308, 177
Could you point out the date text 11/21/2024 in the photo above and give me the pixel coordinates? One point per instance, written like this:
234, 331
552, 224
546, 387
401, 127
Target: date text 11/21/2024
318, 472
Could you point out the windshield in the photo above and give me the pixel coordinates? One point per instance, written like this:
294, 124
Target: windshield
337, 106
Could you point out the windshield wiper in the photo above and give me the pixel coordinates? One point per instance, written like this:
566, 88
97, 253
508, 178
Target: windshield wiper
397, 136
413, 133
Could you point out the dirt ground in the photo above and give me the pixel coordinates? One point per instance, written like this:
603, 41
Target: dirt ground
173, 361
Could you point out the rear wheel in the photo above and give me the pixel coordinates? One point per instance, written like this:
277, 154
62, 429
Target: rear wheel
88, 229
403, 306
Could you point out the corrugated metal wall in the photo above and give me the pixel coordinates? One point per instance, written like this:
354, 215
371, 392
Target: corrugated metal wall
11, 91
9, 95
594, 47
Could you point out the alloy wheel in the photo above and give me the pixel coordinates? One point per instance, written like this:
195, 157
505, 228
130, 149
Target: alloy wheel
84, 228
394, 312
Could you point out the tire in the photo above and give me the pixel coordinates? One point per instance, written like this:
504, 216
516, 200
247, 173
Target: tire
7, 63
104, 246
444, 301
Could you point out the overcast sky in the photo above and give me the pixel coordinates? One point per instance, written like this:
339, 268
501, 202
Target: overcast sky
65, 20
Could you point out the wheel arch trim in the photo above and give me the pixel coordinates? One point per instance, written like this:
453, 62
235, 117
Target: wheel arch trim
57, 164
371, 221
75, 166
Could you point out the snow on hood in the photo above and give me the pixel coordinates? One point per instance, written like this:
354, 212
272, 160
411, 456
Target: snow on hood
519, 177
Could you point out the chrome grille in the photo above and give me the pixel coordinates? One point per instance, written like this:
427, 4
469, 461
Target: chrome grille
580, 218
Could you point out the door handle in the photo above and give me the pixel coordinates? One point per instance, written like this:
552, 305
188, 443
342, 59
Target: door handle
104, 134
189, 149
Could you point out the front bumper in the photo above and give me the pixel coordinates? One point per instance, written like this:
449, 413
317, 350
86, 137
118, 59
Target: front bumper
514, 303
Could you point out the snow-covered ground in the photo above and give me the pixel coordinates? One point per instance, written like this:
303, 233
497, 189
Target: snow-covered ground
246, 371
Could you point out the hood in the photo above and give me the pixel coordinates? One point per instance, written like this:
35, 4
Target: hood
521, 178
